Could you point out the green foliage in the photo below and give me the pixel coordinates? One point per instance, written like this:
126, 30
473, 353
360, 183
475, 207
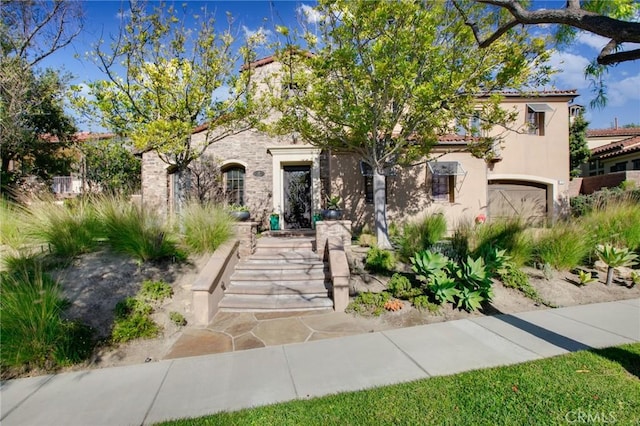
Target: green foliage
177, 318
33, 329
134, 326
172, 73
111, 166
466, 284
635, 278
422, 303
136, 232
68, 231
369, 303
380, 261
615, 257
506, 235
579, 151
614, 223
388, 78
564, 246
206, 227
13, 222
155, 291
400, 287
585, 277
421, 235
581, 205
514, 277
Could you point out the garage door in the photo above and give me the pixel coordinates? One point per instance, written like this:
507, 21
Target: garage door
518, 199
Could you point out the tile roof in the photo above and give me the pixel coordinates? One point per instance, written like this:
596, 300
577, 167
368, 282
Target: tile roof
81, 137
621, 131
614, 149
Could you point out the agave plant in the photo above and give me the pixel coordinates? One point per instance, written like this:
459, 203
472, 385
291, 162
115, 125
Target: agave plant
615, 257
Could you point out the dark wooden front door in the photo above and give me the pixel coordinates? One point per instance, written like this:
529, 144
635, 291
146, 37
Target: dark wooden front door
297, 197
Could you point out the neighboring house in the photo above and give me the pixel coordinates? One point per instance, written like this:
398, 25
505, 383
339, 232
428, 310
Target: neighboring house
76, 183
612, 150
528, 175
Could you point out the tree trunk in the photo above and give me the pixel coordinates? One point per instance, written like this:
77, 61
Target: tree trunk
182, 187
380, 208
609, 275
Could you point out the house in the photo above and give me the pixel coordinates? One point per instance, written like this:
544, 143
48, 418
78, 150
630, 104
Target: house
615, 158
528, 175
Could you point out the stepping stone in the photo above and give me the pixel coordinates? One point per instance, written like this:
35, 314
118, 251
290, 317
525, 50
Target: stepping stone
200, 342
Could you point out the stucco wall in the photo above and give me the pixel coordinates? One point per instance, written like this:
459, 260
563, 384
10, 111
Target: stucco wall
409, 192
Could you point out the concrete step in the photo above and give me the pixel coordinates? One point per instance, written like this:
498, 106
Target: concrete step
281, 266
285, 244
290, 256
279, 287
277, 275
282, 302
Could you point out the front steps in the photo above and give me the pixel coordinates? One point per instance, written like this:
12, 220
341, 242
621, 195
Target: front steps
284, 274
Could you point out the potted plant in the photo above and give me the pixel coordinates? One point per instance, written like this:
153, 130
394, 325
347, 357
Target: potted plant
274, 221
239, 212
333, 211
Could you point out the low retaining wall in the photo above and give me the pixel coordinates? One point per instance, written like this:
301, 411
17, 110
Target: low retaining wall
340, 274
208, 289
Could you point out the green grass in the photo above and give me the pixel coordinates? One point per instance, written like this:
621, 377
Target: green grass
13, 224
421, 234
136, 232
564, 246
615, 223
34, 334
206, 227
545, 392
68, 231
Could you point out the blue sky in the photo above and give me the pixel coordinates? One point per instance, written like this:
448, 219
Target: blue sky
623, 80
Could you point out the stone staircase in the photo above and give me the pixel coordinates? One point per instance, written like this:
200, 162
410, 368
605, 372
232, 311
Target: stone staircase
283, 274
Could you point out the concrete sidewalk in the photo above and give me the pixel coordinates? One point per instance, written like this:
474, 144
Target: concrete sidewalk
188, 387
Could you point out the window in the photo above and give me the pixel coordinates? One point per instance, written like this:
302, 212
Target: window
443, 179
592, 165
234, 185
619, 167
442, 188
471, 126
536, 118
636, 164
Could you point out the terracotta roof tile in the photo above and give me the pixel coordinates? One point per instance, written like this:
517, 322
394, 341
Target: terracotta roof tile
621, 131
614, 149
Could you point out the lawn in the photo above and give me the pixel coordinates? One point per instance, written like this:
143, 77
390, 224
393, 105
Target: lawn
598, 386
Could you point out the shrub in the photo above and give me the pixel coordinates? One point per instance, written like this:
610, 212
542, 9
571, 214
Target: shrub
421, 234
506, 235
69, 231
369, 303
177, 318
564, 246
615, 223
422, 303
155, 291
400, 286
582, 205
136, 232
615, 257
134, 326
515, 278
206, 227
380, 261
34, 333
12, 225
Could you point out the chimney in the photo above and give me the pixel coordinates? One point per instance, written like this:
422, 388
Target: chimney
615, 121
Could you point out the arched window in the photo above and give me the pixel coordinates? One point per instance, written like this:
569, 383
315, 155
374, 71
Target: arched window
234, 184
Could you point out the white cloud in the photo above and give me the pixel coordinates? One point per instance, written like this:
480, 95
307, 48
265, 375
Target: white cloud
594, 41
625, 90
259, 34
570, 70
310, 14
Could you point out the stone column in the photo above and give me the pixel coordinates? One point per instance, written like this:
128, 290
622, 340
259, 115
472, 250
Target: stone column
333, 228
246, 233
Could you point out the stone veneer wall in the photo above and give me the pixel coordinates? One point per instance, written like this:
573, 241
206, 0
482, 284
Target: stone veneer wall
155, 192
246, 234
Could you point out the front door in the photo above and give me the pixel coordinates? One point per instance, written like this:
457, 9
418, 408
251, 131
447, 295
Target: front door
297, 197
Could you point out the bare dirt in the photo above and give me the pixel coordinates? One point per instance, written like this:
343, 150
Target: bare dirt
95, 282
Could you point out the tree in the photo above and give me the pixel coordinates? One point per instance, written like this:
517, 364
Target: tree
35, 132
111, 166
163, 77
390, 77
578, 148
612, 19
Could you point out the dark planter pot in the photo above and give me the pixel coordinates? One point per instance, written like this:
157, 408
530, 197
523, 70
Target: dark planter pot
241, 216
332, 214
